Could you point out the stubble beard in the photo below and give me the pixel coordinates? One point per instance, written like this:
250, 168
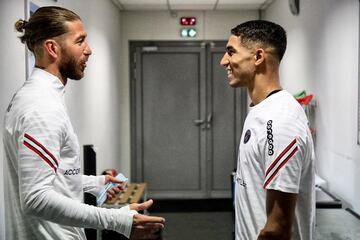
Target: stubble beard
69, 68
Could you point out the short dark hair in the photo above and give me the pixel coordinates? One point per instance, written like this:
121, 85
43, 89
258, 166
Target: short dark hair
46, 22
264, 33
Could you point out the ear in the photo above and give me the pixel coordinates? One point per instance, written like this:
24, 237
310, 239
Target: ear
259, 56
52, 48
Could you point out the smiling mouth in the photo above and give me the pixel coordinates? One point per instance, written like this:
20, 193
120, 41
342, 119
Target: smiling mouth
229, 72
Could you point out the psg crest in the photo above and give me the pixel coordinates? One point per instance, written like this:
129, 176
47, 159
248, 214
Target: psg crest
247, 136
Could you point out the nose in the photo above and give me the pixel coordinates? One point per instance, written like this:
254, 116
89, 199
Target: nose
224, 60
87, 50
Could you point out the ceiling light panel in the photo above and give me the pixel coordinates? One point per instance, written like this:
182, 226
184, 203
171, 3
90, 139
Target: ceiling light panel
239, 4
143, 4
192, 5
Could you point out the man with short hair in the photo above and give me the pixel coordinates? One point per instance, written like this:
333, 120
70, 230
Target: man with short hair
43, 182
274, 182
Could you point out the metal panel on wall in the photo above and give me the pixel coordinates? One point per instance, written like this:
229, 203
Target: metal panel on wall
184, 120
171, 141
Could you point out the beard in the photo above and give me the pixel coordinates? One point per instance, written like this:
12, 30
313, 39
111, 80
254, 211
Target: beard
70, 68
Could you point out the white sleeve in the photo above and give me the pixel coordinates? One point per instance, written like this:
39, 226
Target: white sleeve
93, 184
39, 143
283, 156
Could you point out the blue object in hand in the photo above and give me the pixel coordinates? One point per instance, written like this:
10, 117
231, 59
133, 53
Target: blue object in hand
102, 196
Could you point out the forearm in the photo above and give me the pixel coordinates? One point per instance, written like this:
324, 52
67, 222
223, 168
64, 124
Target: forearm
273, 231
280, 209
54, 207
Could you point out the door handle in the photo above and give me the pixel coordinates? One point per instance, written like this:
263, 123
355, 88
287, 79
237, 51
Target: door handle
199, 122
208, 121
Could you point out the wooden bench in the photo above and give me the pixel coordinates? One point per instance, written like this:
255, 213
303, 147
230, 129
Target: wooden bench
133, 193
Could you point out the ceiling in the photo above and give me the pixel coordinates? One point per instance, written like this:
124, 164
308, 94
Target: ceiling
174, 5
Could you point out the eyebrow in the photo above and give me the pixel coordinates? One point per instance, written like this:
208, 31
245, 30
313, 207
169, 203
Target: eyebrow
229, 48
81, 36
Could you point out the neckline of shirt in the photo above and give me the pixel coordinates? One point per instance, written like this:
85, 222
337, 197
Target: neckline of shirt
43, 77
268, 98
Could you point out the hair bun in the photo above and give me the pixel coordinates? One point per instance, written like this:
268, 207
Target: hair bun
20, 25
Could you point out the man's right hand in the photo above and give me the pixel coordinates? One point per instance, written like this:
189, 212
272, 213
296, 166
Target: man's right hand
145, 227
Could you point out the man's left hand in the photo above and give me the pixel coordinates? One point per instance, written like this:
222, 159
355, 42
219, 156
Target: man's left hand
112, 192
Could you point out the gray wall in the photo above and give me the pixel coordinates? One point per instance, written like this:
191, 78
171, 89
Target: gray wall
322, 58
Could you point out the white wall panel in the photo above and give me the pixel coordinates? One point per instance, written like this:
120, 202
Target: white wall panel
322, 57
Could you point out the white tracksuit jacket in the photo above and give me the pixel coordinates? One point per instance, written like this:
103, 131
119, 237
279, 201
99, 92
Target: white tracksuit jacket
43, 181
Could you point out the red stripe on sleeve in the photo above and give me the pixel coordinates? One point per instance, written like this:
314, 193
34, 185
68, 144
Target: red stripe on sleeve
281, 165
280, 156
42, 147
40, 154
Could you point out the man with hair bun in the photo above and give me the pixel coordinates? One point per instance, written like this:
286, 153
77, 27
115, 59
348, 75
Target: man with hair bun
274, 182
43, 182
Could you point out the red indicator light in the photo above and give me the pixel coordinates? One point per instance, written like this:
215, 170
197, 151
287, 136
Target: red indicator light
188, 21
184, 21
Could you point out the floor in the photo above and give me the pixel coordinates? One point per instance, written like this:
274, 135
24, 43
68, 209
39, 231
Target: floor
198, 225
337, 224
332, 224
196, 219
213, 219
